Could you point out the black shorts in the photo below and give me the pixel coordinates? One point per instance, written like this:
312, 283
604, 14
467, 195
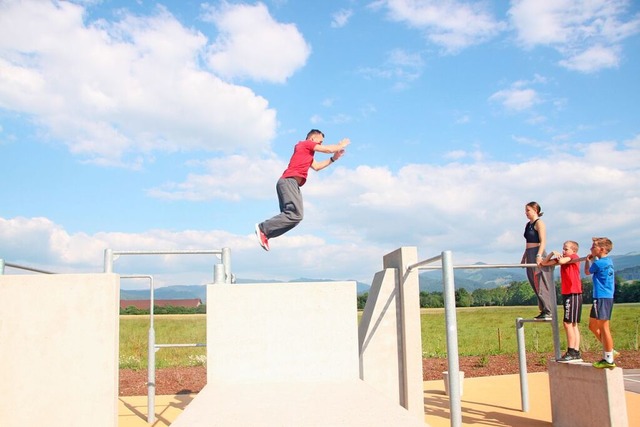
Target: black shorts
602, 308
572, 304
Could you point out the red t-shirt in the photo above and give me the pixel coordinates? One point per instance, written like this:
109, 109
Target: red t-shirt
570, 277
301, 161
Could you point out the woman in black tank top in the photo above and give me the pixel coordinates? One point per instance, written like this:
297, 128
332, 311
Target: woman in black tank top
540, 278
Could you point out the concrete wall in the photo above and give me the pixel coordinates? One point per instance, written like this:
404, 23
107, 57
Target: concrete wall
282, 332
59, 350
582, 395
390, 334
380, 343
286, 354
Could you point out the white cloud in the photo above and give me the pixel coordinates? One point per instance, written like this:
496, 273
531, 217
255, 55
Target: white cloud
251, 44
593, 59
453, 25
227, 178
112, 91
341, 18
587, 34
516, 99
519, 96
355, 216
401, 66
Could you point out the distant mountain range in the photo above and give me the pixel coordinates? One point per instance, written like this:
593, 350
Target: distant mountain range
200, 291
627, 267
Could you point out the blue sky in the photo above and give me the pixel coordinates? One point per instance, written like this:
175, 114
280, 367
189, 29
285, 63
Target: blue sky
165, 125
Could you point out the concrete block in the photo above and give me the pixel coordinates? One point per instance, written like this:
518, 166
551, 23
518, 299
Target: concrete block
59, 350
287, 355
390, 334
582, 395
282, 332
381, 338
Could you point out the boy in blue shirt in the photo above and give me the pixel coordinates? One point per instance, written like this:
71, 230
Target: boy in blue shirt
600, 266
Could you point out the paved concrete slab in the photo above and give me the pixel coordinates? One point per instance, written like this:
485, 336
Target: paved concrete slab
632, 380
487, 401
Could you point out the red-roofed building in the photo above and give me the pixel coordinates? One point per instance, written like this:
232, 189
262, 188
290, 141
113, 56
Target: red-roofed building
144, 304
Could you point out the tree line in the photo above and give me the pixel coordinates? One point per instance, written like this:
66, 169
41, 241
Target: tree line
168, 309
517, 293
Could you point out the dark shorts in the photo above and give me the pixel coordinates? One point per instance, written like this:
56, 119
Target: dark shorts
602, 309
572, 304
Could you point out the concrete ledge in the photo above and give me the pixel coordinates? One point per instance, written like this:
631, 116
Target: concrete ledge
59, 350
582, 395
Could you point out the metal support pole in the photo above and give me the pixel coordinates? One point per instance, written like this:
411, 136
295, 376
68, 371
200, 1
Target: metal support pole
108, 260
151, 363
554, 322
522, 362
452, 339
151, 377
218, 274
226, 261
151, 347
1, 266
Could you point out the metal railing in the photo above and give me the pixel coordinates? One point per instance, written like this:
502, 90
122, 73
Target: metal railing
448, 283
222, 274
152, 348
4, 264
221, 271
451, 324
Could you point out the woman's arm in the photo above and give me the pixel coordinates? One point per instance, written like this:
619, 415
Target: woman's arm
542, 232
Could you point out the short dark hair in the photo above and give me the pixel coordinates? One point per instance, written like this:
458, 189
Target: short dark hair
314, 132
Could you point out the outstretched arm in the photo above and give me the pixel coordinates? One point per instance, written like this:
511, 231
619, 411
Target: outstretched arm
336, 149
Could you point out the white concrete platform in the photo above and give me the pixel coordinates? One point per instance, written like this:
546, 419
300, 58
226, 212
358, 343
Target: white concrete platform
286, 354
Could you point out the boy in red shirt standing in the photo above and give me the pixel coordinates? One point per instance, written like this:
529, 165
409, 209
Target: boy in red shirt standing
571, 289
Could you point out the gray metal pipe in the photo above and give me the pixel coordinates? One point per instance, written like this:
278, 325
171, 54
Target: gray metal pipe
522, 364
226, 261
108, 261
455, 406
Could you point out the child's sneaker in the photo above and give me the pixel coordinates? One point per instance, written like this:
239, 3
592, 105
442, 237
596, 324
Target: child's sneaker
603, 364
262, 239
615, 354
570, 356
543, 316
567, 357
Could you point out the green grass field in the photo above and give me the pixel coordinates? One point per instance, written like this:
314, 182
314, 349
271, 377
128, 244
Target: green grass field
481, 331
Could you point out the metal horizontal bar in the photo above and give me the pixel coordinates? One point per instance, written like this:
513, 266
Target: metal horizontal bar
426, 261
172, 252
479, 266
22, 267
179, 345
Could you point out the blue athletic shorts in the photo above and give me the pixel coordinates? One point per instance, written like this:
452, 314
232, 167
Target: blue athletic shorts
602, 308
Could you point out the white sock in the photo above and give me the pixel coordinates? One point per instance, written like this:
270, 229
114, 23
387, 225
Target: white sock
608, 356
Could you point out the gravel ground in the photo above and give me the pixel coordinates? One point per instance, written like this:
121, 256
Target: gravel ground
170, 381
